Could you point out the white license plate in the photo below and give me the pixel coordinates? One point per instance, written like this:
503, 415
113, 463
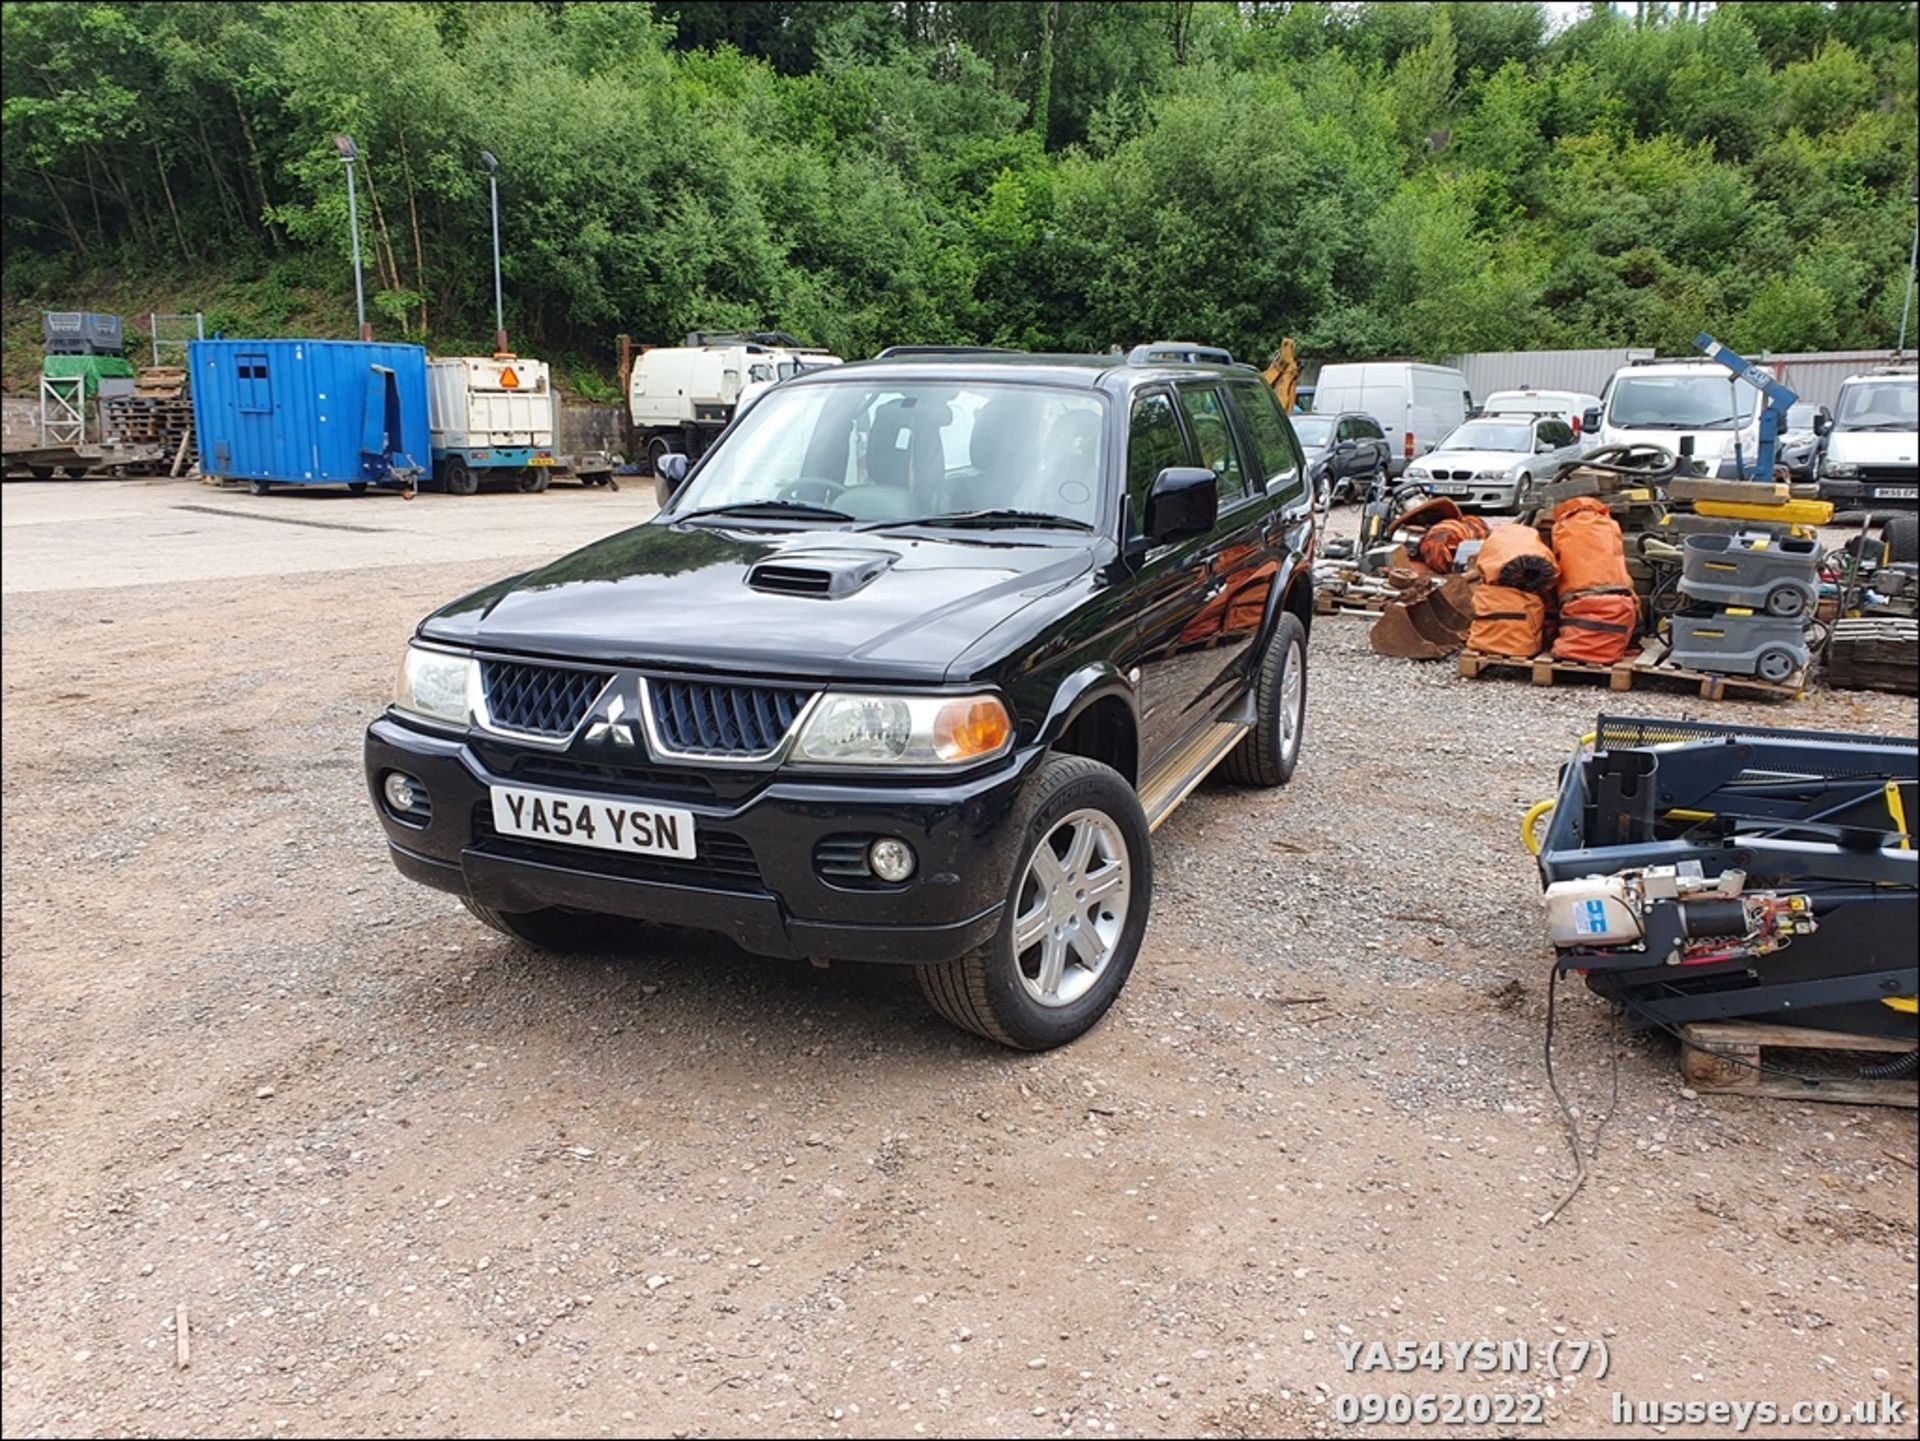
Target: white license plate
1454, 489
605, 824
1896, 492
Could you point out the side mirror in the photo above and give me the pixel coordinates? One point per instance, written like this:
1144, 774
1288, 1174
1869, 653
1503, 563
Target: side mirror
1184, 500
1590, 421
1474, 412
1822, 421
1541, 445
672, 468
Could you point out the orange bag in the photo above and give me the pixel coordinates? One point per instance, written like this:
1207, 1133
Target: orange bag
1597, 626
1508, 621
1587, 545
1439, 544
1514, 556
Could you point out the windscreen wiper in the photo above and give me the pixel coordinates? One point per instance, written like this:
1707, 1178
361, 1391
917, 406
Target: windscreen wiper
986, 518
772, 509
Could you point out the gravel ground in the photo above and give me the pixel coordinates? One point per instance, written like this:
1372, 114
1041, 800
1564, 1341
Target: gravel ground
405, 1176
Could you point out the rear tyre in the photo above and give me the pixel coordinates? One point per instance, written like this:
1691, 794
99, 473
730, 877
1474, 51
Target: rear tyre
1074, 917
533, 480
1902, 535
357, 487
458, 477
259, 487
658, 449
551, 930
1268, 754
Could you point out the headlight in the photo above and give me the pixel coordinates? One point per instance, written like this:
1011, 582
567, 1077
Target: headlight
1495, 475
436, 684
1418, 472
1841, 469
889, 730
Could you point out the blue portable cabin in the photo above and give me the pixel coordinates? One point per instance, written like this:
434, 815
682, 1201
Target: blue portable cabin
310, 412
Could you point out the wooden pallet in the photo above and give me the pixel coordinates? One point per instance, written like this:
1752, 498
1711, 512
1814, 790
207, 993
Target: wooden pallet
165, 422
1546, 669
1329, 602
1754, 1043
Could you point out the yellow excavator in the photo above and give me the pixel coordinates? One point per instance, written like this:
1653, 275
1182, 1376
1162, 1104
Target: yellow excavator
1282, 375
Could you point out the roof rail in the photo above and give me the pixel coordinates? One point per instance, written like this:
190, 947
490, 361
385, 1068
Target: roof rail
743, 337
1161, 352
895, 352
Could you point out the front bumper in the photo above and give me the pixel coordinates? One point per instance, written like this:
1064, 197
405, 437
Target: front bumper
1478, 494
755, 878
1894, 492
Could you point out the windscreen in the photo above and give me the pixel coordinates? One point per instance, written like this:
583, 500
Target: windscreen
1702, 401
1490, 435
879, 450
1892, 404
1313, 430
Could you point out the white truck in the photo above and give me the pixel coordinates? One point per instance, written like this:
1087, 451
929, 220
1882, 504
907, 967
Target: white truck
1689, 405
490, 418
681, 397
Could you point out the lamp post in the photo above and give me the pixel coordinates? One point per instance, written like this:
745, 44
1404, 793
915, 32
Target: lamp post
499, 309
1906, 296
349, 153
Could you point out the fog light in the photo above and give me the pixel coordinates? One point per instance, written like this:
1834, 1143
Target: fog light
405, 794
891, 860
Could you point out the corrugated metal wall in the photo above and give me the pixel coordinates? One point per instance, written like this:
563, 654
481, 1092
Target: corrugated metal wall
1586, 371
1816, 375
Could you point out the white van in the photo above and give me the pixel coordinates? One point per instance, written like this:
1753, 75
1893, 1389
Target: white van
1417, 405
1696, 403
1568, 405
1873, 452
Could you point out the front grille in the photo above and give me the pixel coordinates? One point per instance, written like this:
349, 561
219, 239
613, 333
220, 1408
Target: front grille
546, 700
722, 861
702, 718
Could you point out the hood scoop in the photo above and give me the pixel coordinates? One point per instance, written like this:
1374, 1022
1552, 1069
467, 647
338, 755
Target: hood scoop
827, 574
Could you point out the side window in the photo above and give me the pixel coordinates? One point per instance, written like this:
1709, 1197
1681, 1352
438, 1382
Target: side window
1343, 431
1559, 432
1206, 414
1370, 431
255, 391
1154, 443
1276, 451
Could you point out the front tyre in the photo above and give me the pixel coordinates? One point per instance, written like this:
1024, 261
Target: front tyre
1268, 754
1074, 917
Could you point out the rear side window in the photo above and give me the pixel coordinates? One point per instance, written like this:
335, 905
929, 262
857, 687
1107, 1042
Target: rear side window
1154, 443
1367, 430
1556, 432
1276, 451
1206, 413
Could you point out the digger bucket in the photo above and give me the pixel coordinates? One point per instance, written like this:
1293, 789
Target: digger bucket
1428, 621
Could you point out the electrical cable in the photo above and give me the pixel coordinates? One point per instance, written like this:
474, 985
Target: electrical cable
1574, 1142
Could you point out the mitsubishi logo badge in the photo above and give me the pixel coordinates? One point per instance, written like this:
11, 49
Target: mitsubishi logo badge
612, 726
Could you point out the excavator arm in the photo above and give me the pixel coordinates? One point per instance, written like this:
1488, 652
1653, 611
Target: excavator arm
1282, 375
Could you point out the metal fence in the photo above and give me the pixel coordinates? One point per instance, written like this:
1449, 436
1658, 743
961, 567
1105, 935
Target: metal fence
1816, 375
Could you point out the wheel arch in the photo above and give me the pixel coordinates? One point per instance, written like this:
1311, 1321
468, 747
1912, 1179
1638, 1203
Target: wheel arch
1094, 715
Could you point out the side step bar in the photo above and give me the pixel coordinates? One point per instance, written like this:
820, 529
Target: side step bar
1186, 768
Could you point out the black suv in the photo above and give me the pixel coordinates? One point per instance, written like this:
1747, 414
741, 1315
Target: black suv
907, 670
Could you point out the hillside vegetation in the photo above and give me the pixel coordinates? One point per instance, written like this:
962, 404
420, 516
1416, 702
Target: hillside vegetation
1370, 178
